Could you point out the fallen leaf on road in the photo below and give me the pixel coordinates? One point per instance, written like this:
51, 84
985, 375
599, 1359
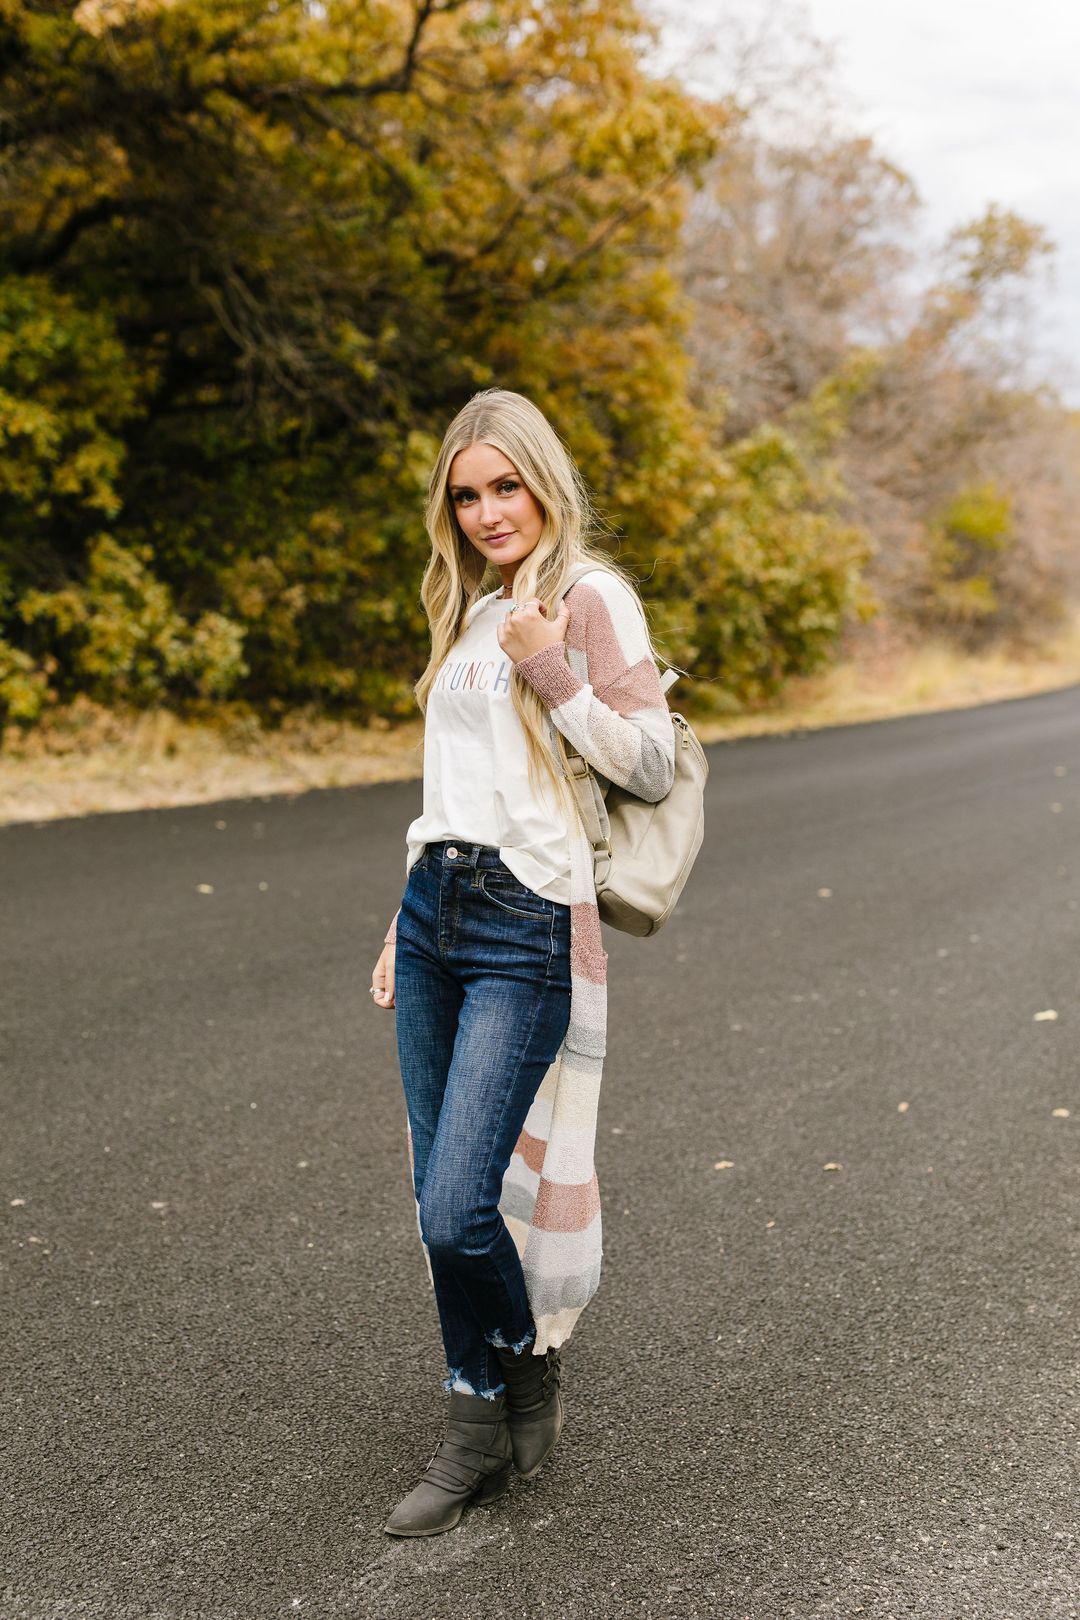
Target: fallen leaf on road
1045, 1017
15, 1202
831, 1166
204, 888
902, 1108
724, 1164
824, 894
1060, 1113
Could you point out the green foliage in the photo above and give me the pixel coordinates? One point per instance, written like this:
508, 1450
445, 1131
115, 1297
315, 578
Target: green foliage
771, 573
998, 246
67, 391
823, 420
24, 687
968, 545
253, 258
122, 638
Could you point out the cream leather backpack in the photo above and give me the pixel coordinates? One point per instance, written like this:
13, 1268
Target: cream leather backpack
642, 853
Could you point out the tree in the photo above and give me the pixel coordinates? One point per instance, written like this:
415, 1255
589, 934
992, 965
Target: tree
308, 234
812, 313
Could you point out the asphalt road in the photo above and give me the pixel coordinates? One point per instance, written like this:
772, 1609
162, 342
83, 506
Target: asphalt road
801, 1391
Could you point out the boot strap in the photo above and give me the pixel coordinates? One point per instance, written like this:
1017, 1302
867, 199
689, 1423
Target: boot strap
529, 1386
452, 1466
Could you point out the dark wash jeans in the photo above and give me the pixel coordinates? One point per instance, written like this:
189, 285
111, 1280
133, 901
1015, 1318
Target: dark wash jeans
482, 992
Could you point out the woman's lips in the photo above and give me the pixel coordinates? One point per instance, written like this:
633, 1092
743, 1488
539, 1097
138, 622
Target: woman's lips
497, 539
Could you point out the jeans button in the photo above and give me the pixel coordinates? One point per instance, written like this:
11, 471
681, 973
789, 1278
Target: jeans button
451, 852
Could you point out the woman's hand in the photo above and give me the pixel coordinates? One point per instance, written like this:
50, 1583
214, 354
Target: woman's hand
382, 979
527, 630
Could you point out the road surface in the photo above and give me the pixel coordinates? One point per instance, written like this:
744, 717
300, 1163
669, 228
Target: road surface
832, 1368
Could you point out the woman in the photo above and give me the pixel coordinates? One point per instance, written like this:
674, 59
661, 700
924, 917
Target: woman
494, 960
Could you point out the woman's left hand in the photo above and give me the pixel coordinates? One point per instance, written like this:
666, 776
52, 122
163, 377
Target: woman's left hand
528, 630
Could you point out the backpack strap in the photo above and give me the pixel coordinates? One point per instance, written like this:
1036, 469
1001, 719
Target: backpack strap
583, 783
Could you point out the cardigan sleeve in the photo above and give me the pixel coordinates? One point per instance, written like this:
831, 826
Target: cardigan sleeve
618, 720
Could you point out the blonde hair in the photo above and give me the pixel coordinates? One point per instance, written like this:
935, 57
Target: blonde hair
455, 576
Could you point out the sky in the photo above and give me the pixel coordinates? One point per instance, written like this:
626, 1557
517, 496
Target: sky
978, 100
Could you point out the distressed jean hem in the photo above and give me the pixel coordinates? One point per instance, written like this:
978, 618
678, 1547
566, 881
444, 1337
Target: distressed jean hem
498, 1342
456, 1383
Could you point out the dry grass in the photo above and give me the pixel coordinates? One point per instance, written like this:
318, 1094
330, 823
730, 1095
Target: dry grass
911, 680
88, 760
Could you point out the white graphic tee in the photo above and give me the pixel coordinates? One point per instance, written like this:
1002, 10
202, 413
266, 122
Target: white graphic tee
476, 779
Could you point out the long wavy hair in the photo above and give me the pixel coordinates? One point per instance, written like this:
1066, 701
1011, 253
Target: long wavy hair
457, 574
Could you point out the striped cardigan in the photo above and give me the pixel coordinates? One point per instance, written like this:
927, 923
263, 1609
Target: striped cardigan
602, 690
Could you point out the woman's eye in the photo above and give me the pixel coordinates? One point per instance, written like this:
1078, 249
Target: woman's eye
507, 487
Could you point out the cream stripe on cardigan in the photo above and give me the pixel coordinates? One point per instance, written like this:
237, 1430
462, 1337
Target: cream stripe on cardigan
602, 689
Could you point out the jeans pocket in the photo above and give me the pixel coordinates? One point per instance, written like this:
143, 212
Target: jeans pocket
505, 891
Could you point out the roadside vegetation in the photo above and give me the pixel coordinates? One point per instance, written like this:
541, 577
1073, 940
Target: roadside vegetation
253, 256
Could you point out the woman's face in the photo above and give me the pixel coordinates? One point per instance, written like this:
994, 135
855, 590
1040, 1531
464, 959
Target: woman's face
498, 515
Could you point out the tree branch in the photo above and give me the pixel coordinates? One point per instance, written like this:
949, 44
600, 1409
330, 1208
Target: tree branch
394, 83
28, 255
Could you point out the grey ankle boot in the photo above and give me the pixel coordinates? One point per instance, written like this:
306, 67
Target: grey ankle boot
470, 1464
534, 1406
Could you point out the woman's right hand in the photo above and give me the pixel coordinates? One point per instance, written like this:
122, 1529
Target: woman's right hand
382, 979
